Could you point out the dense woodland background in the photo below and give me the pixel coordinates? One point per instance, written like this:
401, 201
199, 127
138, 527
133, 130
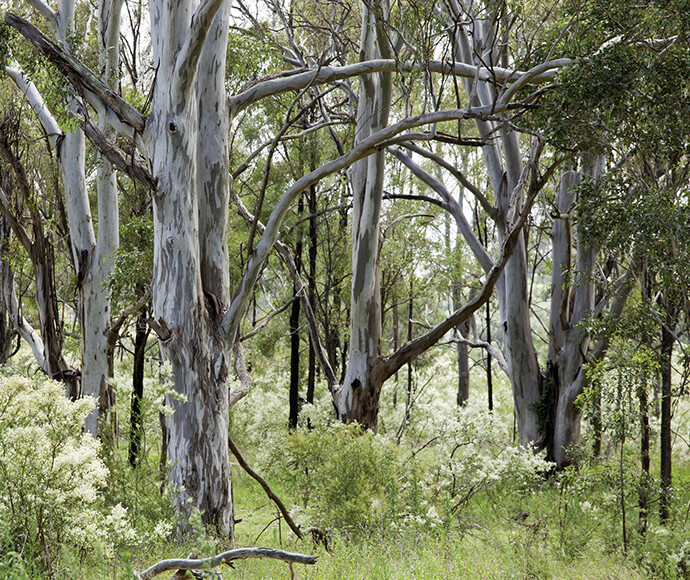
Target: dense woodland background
403, 284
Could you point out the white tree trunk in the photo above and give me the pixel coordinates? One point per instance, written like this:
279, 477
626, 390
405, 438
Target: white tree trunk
358, 398
185, 245
503, 161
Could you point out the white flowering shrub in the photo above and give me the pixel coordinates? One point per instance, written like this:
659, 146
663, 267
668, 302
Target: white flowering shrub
50, 476
338, 477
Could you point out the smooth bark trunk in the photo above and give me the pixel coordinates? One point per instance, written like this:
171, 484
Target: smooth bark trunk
358, 398
186, 135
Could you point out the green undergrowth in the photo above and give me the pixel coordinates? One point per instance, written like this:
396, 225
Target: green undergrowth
444, 495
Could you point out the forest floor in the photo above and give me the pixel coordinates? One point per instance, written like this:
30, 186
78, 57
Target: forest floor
495, 536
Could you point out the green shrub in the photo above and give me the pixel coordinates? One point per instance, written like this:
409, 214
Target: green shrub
342, 477
50, 476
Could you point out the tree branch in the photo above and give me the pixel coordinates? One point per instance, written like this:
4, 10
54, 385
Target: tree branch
495, 353
47, 12
267, 488
327, 74
225, 557
36, 102
415, 347
136, 170
231, 318
187, 59
242, 373
454, 209
84, 81
479, 196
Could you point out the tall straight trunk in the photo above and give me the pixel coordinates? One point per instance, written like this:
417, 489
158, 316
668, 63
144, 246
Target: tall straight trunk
666, 467
358, 397
311, 287
294, 405
503, 161
643, 493
7, 331
187, 129
138, 367
98, 261
463, 365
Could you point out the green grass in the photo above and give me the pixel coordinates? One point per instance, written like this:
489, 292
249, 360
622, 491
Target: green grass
496, 537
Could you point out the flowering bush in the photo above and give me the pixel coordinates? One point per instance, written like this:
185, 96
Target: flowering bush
50, 474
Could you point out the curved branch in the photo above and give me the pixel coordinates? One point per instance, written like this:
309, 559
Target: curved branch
267, 488
454, 209
36, 102
243, 374
231, 318
466, 183
415, 347
225, 557
327, 74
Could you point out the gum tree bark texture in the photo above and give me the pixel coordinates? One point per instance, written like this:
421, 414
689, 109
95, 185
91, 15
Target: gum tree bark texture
186, 137
473, 43
358, 398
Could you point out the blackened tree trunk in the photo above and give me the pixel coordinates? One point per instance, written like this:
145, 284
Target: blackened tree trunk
666, 466
135, 423
311, 286
294, 405
463, 365
643, 493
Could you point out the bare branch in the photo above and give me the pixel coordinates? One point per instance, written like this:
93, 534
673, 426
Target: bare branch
479, 196
270, 316
47, 12
225, 557
327, 74
36, 102
127, 312
454, 209
415, 347
267, 488
120, 160
243, 374
366, 147
84, 81
495, 353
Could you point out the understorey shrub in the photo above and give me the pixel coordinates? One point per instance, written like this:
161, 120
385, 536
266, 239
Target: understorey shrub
50, 477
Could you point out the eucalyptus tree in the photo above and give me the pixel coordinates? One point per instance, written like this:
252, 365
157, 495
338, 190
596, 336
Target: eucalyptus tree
31, 216
91, 253
623, 99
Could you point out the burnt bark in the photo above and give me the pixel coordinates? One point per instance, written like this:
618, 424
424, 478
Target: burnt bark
294, 402
138, 366
666, 465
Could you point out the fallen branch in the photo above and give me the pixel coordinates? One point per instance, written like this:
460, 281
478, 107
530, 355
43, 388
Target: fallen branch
224, 558
267, 488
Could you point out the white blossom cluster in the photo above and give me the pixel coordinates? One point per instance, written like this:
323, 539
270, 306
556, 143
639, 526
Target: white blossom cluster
51, 474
